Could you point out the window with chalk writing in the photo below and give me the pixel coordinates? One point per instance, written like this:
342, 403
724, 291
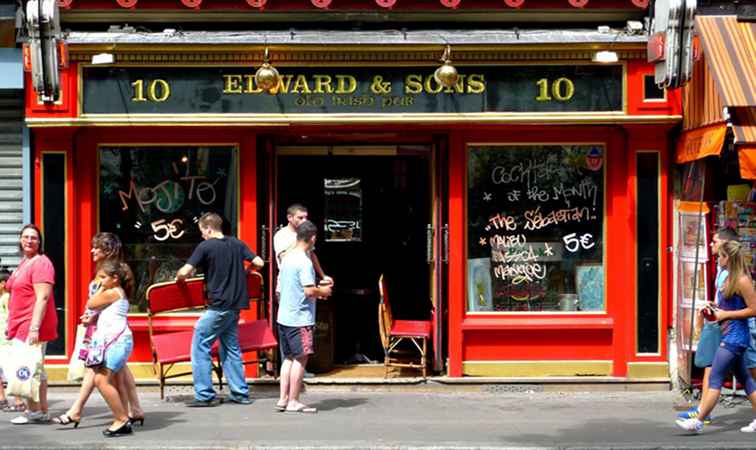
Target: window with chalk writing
153, 196
535, 221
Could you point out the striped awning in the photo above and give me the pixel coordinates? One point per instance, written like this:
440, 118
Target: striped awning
730, 49
744, 124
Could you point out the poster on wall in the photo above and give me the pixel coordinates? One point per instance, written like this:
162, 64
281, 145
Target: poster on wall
153, 197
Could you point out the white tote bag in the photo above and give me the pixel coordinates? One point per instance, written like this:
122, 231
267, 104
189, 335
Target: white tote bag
76, 366
22, 370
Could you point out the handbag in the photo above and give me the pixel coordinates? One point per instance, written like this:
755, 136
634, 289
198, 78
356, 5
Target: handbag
97, 349
708, 343
22, 370
76, 365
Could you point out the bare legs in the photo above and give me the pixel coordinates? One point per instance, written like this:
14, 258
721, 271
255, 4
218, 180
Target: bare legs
123, 382
292, 376
103, 379
42, 404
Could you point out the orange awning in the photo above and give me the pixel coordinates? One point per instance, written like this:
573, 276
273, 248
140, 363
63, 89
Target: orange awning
730, 49
700, 143
747, 162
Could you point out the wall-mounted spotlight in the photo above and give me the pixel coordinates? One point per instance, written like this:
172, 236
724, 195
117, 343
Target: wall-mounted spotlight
446, 75
267, 77
605, 56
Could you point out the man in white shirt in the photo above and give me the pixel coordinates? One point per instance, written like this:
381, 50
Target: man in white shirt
285, 240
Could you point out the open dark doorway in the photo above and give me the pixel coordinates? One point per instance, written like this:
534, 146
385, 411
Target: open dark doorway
372, 213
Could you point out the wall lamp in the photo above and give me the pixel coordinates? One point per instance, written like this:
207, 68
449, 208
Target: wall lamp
446, 75
605, 56
267, 77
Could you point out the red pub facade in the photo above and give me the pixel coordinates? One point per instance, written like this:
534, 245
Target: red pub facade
523, 208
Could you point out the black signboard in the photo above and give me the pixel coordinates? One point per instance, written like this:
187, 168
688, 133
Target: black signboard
217, 90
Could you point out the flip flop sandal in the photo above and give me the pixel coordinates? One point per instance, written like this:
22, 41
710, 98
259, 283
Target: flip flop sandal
3, 404
303, 409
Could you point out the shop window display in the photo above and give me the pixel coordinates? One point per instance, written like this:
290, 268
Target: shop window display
153, 197
535, 221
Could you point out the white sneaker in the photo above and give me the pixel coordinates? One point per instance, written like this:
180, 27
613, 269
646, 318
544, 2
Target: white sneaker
693, 425
750, 428
31, 417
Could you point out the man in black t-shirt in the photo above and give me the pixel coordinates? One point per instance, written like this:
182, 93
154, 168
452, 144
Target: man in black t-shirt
221, 258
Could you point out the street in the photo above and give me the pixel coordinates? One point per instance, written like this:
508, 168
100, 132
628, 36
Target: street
351, 418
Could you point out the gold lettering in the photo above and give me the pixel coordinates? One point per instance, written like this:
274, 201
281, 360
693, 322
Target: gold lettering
159, 91
300, 86
138, 96
323, 84
430, 81
476, 83
345, 84
285, 84
232, 84
250, 87
413, 84
459, 86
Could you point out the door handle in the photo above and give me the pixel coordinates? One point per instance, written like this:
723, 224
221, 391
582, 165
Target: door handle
445, 231
264, 243
429, 244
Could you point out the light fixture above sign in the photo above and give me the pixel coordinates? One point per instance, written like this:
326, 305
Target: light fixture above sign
605, 56
446, 75
267, 77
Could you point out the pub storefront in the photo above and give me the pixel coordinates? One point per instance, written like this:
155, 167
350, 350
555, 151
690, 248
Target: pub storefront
521, 209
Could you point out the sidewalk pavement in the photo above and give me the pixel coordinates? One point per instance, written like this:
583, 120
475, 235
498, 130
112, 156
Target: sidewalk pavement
367, 419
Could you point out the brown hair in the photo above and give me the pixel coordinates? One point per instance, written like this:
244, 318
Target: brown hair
111, 246
212, 221
737, 265
122, 271
295, 208
31, 226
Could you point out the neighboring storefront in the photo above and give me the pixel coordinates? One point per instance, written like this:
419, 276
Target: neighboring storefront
715, 167
522, 210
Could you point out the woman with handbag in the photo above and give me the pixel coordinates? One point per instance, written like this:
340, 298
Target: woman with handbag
112, 342
31, 313
105, 247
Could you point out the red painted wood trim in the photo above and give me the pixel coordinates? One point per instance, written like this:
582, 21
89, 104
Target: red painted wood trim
538, 323
457, 253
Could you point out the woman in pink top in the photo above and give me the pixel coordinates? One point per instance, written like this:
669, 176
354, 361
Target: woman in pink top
31, 310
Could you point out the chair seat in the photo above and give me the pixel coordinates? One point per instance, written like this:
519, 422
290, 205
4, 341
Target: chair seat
411, 328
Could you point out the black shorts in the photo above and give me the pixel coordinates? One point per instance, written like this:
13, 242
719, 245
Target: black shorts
296, 341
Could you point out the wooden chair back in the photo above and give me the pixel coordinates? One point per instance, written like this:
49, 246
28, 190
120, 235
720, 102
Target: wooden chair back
385, 318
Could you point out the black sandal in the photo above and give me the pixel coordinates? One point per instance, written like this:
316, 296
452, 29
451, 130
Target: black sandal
65, 419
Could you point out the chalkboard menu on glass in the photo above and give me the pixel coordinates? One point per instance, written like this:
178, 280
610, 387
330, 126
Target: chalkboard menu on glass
153, 197
535, 228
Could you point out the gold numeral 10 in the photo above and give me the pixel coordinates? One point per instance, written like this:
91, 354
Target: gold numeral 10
157, 91
562, 89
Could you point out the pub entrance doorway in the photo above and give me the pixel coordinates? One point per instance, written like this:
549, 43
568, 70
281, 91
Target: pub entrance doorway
373, 207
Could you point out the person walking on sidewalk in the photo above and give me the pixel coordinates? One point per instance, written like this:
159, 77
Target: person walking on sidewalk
221, 258
106, 247
710, 335
31, 312
296, 317
736, 303
112, 342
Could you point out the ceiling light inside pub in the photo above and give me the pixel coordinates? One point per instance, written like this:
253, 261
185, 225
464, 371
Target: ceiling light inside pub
605, 56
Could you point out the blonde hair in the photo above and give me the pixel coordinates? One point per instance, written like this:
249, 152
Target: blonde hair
737, 265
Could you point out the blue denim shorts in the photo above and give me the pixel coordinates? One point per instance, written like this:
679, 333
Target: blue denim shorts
118, 353
750, 354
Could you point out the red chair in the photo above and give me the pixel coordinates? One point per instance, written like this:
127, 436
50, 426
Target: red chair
171, 347
393, 332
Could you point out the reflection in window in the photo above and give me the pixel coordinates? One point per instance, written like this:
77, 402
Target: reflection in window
152, 198
535, 228
343, 209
